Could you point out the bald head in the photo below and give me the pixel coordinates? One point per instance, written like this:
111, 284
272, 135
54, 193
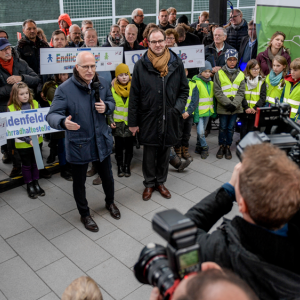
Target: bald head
75, 33
86, 66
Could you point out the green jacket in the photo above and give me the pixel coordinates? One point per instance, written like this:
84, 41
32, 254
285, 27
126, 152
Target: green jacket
224, 100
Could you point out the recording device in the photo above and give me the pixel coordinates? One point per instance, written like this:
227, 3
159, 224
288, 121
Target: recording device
165, 267
95, 87
285, 132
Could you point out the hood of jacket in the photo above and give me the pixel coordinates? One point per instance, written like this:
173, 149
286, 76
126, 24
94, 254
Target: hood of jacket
66, 18
268, 281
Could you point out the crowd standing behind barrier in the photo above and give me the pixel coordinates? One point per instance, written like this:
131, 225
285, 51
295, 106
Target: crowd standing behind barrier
156, 106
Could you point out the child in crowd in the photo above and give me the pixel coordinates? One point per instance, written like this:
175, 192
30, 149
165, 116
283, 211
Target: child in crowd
205, 95
291, 93
255, 95
57, 139
21, 98
119, 120
229, 90
186, 122
275, 80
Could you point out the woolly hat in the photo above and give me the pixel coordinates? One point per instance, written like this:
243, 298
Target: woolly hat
122, 68
231, 53
206, 67
183, 19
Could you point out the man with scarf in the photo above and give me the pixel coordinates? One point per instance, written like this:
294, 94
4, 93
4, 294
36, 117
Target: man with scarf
88, 138
115, 38
158, 95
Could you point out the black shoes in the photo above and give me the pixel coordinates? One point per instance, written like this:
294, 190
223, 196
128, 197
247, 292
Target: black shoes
44, 173
228, 153
114, 211
127, 170
120, 171
204, 153
221, 152
38, 189
89, 223
31, 191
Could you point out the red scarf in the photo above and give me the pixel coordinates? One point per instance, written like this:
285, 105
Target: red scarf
7, 65
290, 79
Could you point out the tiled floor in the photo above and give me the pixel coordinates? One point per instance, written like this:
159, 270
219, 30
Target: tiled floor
44, 246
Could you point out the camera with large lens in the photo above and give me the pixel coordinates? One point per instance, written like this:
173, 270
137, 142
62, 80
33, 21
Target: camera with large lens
165, 267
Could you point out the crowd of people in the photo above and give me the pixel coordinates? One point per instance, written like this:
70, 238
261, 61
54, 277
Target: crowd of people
156, 106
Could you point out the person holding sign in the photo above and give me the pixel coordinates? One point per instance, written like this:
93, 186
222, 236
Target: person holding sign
21, 98
77, 109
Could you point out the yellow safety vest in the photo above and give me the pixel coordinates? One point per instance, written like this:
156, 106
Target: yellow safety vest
192, 85
19, 143
229, 88
292, 98
206, 101
252, 96
273, 91
121, 109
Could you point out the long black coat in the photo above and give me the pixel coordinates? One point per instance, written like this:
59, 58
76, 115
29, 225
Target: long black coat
234, 37
156, 102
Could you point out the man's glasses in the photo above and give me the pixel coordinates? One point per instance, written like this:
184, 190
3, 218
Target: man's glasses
140, 16
233, 17
86, 68
157, 42
6, 49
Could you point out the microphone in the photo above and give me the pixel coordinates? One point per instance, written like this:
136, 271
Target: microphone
95, 87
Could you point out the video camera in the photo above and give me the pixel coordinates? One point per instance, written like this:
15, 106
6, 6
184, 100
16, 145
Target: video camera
286, 133
165, 267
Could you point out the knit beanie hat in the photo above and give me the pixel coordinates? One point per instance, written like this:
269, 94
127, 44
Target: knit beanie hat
206, 67
183, 19
122, 68
231, 53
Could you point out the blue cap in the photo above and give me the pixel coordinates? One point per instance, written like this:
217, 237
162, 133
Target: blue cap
231, 53
4, 43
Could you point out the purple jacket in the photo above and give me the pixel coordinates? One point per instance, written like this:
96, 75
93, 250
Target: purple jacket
263, 59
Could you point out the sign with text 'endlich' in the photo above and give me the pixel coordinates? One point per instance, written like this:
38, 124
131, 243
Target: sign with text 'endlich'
191, 56
63, 60
27, 122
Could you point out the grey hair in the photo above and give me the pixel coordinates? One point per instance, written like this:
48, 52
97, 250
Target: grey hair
223, 29
114, 25
131, 26
135, 13
73, 26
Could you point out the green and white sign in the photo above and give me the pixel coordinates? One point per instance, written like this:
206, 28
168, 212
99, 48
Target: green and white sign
278, 15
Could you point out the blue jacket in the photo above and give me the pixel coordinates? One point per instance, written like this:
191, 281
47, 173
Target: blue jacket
93, 140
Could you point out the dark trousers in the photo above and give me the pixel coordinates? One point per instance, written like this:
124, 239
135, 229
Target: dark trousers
185, 127
247, 125
13, 153
226, 129
155, 165
79, 178
122, 143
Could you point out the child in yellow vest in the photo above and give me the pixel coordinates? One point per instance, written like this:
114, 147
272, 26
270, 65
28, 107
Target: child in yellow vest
119, 120
21, 98
291, 93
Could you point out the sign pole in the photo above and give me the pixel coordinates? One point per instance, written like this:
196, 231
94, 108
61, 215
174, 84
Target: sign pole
37, 152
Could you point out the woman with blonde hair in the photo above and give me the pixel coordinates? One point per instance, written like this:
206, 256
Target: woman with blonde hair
82, 288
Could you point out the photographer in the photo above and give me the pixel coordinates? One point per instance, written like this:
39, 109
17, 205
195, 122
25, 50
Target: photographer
212, 283
263, 245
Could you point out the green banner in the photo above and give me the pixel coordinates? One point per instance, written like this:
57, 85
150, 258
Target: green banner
270, 19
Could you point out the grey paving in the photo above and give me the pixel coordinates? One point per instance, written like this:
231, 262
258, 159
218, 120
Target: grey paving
44, 246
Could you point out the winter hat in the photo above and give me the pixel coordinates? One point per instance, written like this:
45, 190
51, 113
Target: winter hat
231, 53
4, 43
206, 67
122, 68
183, 19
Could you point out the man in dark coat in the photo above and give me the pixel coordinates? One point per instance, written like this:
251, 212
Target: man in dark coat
163, 20
138, 19
237, 30
88, 138
263, 245
158, 95
12, 70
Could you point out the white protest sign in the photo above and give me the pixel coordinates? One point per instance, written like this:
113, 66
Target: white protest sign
27, 123
191, 56
3, 131
63, 60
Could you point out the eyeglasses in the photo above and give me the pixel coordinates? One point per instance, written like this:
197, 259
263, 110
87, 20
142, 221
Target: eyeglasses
170, 38
233, 17
155, 42
86, 68
5, 49
256, 70
140, 16
232, 59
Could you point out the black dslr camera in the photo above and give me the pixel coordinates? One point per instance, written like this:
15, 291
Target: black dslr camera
165, 267
286, 135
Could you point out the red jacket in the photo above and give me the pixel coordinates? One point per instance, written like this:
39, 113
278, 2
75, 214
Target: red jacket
66, 18
263, 59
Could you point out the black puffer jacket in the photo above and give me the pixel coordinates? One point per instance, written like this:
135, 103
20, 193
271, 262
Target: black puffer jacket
156, 102
234, 37
268, 262
30, 52
141, 28
20, 68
